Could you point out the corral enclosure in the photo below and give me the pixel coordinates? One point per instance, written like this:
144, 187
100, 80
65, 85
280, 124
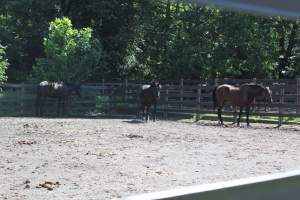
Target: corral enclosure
115, 158
177, 97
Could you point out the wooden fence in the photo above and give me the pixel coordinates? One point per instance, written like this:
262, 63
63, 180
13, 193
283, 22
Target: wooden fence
177, 97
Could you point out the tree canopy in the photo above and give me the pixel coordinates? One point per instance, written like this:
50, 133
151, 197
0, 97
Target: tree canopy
138, 39
71, 55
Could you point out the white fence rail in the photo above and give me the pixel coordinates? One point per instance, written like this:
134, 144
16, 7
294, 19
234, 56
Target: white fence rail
281, 186
288, 8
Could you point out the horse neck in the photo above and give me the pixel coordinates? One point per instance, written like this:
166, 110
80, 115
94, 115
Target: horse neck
154, 91
149, 93
255, 91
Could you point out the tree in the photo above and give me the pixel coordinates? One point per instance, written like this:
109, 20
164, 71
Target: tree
287, 63
3, 65
23, 24
145, 39
71, 54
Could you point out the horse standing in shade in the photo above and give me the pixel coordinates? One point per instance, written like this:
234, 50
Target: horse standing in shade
242, 96
60, 90
149, 96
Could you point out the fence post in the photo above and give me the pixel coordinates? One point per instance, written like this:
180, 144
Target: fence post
22, 98
216, 82
298, 95
255, 108
126, 87
104, 102
166, 102
280, 108
181, 93
102, 87
199, 92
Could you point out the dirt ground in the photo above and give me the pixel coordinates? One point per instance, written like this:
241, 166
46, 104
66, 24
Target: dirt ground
115, 158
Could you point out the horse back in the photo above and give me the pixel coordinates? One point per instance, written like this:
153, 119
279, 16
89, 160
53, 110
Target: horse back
227, 89
51, 89
229, 93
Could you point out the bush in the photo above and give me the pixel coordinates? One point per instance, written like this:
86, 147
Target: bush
72, 55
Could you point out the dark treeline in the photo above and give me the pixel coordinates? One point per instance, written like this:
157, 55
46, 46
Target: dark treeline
144, 39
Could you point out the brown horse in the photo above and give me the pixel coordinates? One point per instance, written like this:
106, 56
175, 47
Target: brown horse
242, 96
59, 90
149, 96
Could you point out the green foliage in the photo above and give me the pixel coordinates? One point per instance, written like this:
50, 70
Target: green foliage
3, 65
23, 24
163, 39
185, 40
71, 55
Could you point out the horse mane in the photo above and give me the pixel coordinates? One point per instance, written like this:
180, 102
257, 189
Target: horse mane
153, 84
252, 84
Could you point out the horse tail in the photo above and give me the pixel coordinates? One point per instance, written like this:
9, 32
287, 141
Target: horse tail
214, 97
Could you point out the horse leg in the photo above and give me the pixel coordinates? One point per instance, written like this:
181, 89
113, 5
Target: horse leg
234, 116
141, 112
240, 114
147, 113
154, 112
220, 115
139, 109
220, 107
247, 114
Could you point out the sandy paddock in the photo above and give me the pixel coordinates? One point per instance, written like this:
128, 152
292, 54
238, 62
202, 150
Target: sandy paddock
114, 158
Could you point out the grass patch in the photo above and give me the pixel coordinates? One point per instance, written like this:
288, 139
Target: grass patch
255, 118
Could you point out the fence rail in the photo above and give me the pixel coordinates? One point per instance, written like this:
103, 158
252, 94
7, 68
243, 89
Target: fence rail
177, 96
270, 187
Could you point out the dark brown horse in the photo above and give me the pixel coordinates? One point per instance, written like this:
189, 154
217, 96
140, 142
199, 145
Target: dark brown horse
149, 96
60, 90
242, 96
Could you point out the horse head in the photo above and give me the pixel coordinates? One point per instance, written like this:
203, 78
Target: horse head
155, 86
267, 94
